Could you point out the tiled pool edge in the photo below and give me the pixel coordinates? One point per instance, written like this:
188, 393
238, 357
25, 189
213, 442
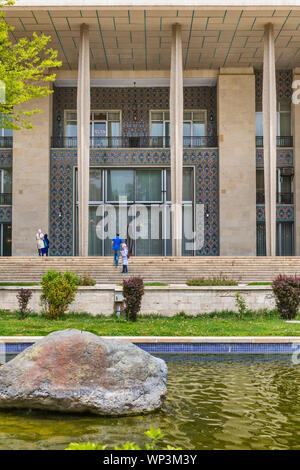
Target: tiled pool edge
184, 344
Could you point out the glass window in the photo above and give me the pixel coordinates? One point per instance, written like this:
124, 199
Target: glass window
71, 124
5, 186
95, 238
102, 124
284, 125
260, 189
5, 132
187, 185
95, 184
258, 119
5, 239
120, 185
148, 185
284, 238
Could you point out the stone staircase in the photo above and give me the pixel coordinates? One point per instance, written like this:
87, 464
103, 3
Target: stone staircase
161, 269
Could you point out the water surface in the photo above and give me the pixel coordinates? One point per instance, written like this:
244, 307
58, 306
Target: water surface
214, 402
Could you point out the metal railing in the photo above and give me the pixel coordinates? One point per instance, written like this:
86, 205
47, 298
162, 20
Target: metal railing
6, 142
281, 141
281, 198
134, 142
5, 198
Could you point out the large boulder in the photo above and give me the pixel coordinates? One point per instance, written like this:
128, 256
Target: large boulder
76, 371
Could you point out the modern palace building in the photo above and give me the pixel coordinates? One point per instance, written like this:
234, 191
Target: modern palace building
187, 107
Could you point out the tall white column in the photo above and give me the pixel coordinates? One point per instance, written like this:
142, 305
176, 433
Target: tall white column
83, 133
176, 124
269, 129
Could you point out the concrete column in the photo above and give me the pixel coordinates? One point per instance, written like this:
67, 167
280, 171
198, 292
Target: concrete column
31, 175
269, 129
176, 124
237, 163
83, 133
296, 136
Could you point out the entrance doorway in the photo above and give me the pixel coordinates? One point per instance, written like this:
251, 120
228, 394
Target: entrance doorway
137, 204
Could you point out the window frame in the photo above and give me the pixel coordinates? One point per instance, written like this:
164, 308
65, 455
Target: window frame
93, 111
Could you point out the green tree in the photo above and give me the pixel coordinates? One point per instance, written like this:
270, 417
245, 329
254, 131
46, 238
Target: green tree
25, 71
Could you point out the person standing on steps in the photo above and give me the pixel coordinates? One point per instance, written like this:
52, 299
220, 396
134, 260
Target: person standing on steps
116, 246
45, 250
124, 254
39, 241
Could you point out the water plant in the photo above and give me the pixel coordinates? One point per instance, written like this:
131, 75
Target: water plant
154, 435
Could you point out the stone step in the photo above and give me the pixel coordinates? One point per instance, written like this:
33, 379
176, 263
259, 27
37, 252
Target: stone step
160, 269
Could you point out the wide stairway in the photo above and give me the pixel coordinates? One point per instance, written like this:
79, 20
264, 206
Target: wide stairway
152, 269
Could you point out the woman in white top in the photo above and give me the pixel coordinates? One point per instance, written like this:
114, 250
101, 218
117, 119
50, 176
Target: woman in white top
39, 241
124, 254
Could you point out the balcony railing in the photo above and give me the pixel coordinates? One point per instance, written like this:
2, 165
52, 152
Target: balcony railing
134, 142
281, 141
5, 198
281, 198
6, 142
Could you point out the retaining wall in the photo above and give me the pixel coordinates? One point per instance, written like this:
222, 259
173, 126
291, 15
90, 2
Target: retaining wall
164, 300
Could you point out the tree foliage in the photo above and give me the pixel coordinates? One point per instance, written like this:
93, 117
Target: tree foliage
24, 72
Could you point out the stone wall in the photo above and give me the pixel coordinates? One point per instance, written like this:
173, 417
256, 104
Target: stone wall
166, 301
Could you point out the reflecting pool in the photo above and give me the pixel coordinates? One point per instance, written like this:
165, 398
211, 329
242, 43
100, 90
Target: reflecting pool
214, 402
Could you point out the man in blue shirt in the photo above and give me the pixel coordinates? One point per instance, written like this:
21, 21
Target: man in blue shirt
116, 244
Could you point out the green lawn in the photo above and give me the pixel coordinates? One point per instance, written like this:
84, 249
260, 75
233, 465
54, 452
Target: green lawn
215, 324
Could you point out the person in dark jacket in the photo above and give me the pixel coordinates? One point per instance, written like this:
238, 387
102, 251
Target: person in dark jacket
45, 250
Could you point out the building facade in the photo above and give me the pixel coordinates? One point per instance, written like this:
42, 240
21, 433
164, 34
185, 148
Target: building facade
175, 121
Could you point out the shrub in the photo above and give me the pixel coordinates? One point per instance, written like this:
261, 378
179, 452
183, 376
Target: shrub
23, 296
286, 290
241, 304
58, 292
85, 280
216, 281
133, 291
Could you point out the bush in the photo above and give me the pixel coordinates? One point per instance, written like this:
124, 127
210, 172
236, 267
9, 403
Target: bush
23, 297
133, 291
216, 281
58, 292
241, 304
85, 280
286, 290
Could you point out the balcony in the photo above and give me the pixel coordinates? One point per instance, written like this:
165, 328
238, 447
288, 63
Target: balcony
6, 142
281, 141
281, 198
134, 142
6, 199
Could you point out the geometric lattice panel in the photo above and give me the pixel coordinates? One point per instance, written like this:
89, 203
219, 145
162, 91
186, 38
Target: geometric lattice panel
62, 166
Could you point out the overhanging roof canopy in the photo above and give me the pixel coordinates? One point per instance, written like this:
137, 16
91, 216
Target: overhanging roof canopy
135, 38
